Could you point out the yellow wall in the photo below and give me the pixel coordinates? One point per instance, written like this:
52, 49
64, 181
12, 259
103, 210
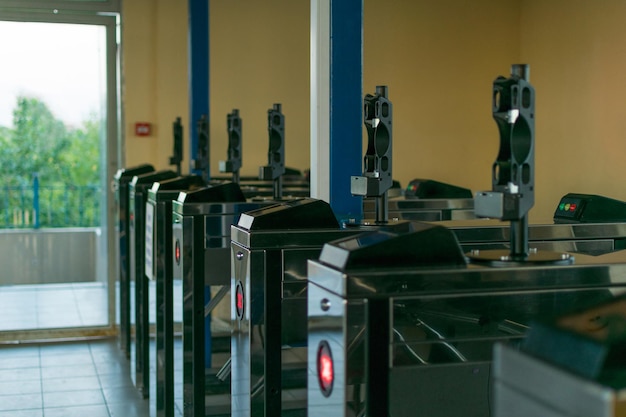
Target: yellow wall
577, 50
438, 57
154, 76
260, 56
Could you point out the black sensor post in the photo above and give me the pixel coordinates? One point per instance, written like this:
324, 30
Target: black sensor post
275, 168
377, 163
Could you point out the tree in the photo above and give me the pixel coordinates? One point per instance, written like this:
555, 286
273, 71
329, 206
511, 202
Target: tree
39, 139
82, 157
66, 162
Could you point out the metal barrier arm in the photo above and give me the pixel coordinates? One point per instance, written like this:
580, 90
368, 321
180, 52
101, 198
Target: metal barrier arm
215, 300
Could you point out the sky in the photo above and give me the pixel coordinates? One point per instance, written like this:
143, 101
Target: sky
61, 64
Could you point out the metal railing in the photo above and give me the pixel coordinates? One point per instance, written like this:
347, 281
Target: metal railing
42, 205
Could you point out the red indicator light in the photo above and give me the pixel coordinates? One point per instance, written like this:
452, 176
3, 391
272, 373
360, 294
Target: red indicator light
325, 368
177, 252
572, 207
239, 300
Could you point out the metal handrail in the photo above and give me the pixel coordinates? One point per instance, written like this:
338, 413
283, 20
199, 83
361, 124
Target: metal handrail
41, 205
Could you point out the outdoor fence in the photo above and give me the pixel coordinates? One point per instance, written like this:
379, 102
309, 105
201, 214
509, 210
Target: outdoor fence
42, 205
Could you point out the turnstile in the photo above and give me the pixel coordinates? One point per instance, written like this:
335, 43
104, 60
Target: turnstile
158, 260
400, 325
140, 352
201, 259
270, 249
120, 183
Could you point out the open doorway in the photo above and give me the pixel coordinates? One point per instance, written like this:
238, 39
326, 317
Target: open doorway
58, 140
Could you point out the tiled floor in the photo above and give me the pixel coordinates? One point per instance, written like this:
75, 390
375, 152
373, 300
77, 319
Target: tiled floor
46, 306
89, 379
70, 379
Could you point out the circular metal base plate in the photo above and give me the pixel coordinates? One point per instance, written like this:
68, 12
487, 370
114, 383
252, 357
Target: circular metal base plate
502, 257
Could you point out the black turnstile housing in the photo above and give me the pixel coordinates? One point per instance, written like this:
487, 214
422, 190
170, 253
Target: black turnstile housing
428, 188
387, 337
137, 196
589, 208
159, 259
201, 222
270, 249
120, 183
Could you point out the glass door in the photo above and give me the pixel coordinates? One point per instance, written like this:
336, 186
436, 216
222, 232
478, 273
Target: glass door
58, 142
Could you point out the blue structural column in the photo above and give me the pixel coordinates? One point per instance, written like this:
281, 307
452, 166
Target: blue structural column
198, 107
336, 103
198, 72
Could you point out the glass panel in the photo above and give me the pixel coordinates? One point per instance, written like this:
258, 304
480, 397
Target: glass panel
453, 330
52, 211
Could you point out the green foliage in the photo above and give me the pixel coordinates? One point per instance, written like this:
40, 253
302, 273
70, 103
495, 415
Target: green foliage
65, 160
82, 160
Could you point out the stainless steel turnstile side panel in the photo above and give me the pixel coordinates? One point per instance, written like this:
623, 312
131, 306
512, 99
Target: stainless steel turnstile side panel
439, 332
339, 326
270, 338
184, 238
140, 314
177, 274
162, 275
191, 270
138, 353
241, 349
258, 343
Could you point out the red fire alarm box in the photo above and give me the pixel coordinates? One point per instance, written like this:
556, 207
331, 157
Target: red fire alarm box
143, 129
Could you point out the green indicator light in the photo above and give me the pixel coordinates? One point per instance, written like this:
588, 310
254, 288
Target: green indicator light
562, 206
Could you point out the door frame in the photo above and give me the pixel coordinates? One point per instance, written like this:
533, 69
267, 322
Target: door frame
104, 13
70, 5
